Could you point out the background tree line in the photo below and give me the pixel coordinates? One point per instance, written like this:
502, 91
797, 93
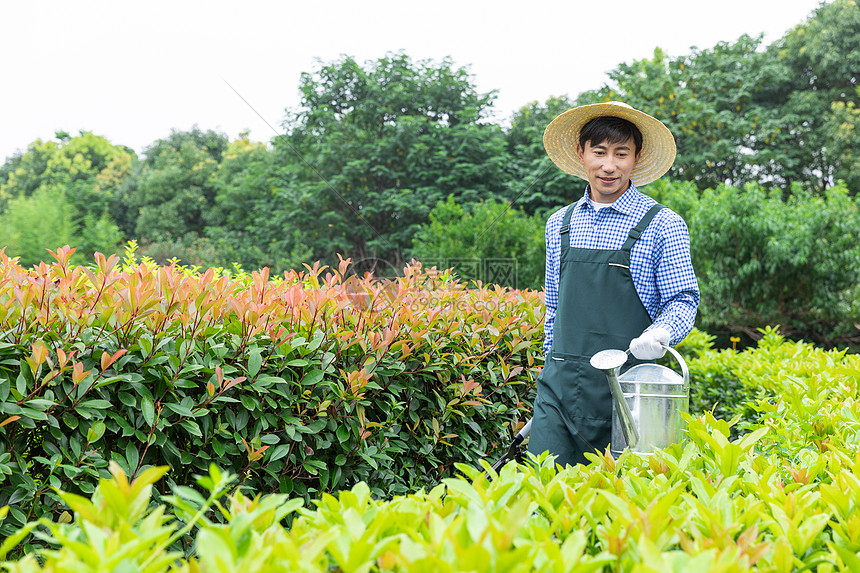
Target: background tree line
394, 158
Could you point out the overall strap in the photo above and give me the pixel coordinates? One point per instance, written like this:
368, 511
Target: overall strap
565, 224
640, 227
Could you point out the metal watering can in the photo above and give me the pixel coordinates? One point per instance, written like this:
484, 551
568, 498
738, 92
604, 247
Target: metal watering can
647, 402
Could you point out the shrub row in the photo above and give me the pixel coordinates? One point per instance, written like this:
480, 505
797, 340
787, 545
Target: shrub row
303, 384
764, 258
782, 497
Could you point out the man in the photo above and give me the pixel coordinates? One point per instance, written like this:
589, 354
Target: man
618, 272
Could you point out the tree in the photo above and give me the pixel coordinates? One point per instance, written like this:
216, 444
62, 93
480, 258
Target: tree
487, 241
373, 149
535, 184
246, 224
823, 51
31, 224
25, 172
819, 61
175, 185
80, 175
844, 128
73, 163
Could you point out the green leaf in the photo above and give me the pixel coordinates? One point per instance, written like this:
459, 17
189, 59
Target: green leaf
313, 377
40, 404
145, 343
132, 456
21, 381
127, 399
34, 414
97, 404
316, 426
192, 428
750, 439
218, 447
279, 452
248, 402
70, 420
95, 432
179, 409
147, 409
342, 433
255, 362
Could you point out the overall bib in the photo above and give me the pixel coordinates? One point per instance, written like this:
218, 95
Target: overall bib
598, 308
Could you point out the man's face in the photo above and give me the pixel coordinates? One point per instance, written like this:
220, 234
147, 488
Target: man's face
608, 167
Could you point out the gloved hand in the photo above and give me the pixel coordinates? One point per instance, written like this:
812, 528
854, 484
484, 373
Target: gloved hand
649, 346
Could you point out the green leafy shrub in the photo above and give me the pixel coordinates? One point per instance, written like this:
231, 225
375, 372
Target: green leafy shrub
304, 384
489, 241
802, 384
715, 383
765, 260
711, 505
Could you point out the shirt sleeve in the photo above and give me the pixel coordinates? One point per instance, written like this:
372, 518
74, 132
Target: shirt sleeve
675, 279
553, 253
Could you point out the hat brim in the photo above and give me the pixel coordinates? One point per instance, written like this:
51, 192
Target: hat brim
561, 139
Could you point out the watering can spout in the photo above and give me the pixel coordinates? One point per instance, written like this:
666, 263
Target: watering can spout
610, 362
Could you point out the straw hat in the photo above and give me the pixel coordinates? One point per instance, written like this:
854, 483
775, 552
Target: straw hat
658, 146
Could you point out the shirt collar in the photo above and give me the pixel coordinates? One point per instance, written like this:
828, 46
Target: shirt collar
625, 204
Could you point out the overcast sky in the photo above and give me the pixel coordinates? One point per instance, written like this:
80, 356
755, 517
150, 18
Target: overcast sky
132, 71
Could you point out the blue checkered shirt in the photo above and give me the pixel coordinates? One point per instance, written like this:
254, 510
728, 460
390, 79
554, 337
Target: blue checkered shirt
659, 261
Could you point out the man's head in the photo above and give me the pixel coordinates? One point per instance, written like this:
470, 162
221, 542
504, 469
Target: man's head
608, 149
610, 129
615, 130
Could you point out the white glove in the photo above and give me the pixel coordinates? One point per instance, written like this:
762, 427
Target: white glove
649, 346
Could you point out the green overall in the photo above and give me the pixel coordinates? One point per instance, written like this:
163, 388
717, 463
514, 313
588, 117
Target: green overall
598, 308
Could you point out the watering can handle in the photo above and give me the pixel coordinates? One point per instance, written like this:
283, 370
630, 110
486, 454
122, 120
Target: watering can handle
684, 371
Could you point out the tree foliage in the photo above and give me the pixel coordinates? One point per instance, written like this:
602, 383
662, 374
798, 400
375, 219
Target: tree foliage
764, 259
176, 185
819, 79
535, 184
487, 241
60, 192
247, 222
375, 147
31, 222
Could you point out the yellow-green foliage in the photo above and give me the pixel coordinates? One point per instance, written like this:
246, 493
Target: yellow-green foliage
782, 497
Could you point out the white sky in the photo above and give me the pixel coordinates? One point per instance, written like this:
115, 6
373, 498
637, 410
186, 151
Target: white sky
132, 71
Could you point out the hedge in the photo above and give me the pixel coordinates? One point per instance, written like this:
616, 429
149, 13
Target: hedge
303, 384
782, 497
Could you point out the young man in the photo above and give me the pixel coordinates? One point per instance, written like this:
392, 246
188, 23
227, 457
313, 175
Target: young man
618, 272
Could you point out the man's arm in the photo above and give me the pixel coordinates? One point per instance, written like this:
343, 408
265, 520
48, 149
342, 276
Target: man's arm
676, 281
553, 253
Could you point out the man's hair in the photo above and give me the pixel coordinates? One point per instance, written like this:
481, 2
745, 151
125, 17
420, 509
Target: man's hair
610, 129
